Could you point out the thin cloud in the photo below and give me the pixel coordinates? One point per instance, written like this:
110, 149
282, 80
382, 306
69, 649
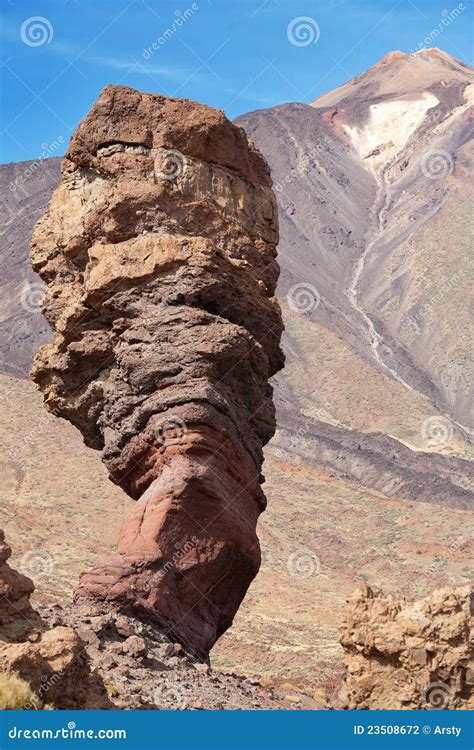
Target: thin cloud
73, 53
172, 73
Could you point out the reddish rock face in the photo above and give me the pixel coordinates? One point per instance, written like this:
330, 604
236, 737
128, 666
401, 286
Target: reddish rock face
158, 249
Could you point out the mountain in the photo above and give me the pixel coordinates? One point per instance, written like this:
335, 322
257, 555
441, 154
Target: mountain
374, 191
25, 190
369, 476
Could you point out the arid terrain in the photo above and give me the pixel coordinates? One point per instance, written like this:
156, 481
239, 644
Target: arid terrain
369, 476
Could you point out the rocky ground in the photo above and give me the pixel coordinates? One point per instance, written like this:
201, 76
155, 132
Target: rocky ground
398, 654
341, 533
140, 668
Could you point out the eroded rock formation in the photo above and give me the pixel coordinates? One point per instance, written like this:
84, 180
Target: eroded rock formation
158, 249
53, 661
408, 655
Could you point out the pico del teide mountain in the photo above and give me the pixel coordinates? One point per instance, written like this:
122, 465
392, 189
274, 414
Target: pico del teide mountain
374, 195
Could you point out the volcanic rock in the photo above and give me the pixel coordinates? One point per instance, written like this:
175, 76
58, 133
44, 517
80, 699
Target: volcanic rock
408, 655
56, 668
164, 677
18, 619
158, 250
53, 661
134, 646
339, 413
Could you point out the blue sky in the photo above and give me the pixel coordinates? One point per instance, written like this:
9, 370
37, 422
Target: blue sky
56, 55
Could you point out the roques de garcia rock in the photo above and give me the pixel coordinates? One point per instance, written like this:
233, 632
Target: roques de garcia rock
408, 655
158, 251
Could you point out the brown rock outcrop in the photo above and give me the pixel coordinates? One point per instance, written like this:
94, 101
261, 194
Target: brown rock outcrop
56, 668
52, 661
158, 249
18, 619
408, 655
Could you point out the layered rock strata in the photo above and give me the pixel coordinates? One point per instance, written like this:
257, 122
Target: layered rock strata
158, 250
409, 655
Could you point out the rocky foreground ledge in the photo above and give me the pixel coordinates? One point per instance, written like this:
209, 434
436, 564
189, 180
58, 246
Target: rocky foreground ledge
158, 251
92, 656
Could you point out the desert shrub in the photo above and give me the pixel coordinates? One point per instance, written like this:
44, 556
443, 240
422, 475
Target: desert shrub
15, 693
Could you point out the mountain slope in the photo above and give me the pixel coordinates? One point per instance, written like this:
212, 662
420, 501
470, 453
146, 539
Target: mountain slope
25, 190
409, 118
370, 178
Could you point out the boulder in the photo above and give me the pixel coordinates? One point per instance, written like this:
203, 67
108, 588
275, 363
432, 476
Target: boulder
56, 668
